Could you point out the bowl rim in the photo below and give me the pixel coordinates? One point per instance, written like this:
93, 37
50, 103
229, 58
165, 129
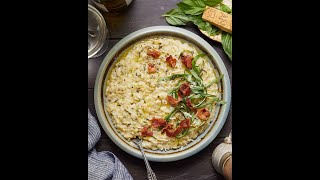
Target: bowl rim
219, 65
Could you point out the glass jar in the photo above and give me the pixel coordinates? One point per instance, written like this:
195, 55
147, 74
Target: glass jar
112, 6
98, 35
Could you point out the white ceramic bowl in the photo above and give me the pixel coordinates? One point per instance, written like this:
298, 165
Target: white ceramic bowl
203, 139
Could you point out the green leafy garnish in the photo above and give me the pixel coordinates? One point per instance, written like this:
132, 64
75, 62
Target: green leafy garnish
185, 76
212, 2
197, 88
198, 105
204, 25
192, 7
201, 95
171, 114
198, 56
226, 40
225, 8
186, 114
183, 133
216, 81
217, 100
194, 66
191, 11
176, 17
195, 75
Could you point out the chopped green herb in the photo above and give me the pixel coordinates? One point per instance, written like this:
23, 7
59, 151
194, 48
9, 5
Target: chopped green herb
171, 114
201, 95
186, 114
216, 81
195, 75
183, 133
185, 76
198, 105
217, 100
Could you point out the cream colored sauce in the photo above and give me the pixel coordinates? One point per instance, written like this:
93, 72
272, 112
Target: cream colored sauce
134, 96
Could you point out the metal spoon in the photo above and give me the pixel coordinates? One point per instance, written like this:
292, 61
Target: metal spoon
151, 175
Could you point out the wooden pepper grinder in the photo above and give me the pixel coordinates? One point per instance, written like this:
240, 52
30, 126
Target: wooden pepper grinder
222, 158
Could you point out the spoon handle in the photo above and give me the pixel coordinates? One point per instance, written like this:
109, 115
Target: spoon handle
151, 174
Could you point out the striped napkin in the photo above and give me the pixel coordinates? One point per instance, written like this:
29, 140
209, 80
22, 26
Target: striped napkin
102, 165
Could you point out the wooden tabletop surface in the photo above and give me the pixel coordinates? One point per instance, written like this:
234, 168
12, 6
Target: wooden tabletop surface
141, 14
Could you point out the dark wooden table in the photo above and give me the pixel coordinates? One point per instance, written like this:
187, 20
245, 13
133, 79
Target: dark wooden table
141, 14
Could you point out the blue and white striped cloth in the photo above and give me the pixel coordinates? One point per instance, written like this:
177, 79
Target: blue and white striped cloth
102, 165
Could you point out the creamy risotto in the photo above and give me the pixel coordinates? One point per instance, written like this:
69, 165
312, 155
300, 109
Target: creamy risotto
163, 90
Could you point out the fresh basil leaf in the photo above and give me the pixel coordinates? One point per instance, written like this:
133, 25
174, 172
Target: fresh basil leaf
197, 88
211, 30
197, 3
174, 21
216, 81
189, 78
226, 40
186, 114
182, 134
198, 21
212, 2
197, 70
195, 75
176, 17
197, 91
205, 104
225, 8
184, 106
192, 7
204, 25
198, 56
210, 84
171, 114
173, 91
186, 76
199, 105
202, 95
217, 100
194, 66
191, 96
195, 96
